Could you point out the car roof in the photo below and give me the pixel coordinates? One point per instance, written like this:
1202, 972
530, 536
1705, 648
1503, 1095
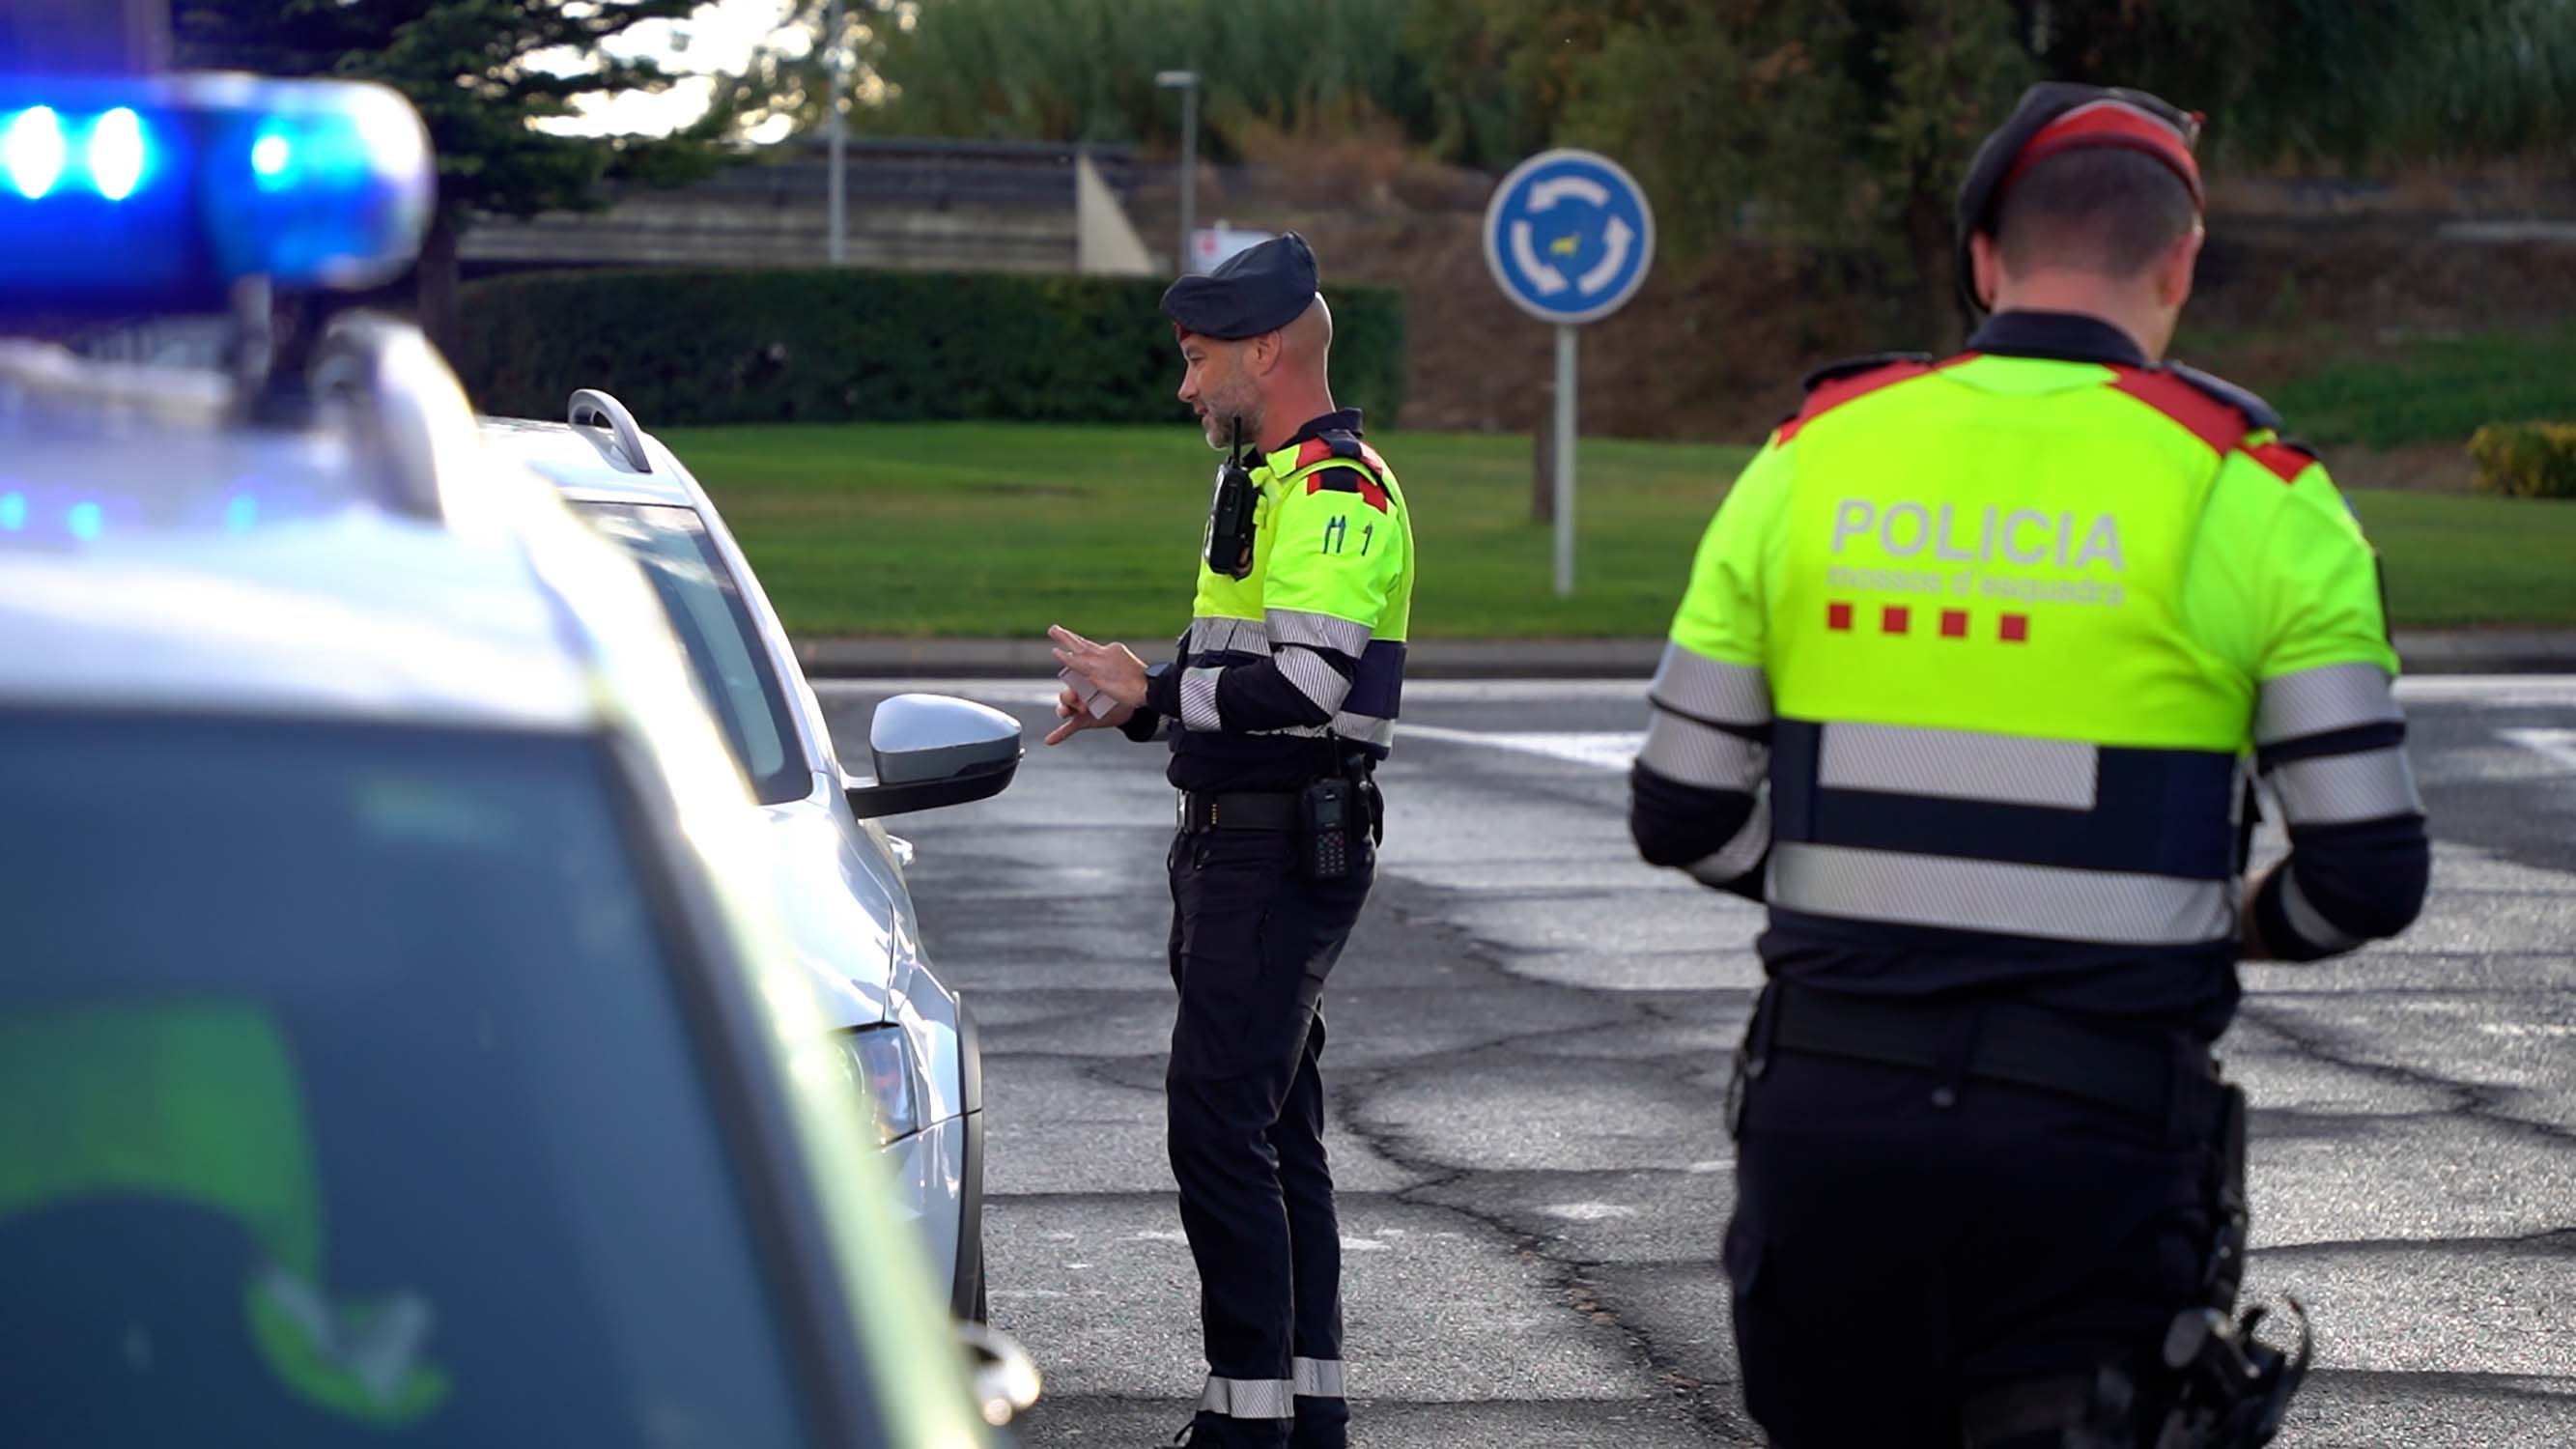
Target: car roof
585, 464
357, 614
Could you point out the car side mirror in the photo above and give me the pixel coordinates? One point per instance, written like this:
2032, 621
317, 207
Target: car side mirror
933, 750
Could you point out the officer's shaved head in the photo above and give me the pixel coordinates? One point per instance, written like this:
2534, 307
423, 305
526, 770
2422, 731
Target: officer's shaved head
1310, 336
2101, 209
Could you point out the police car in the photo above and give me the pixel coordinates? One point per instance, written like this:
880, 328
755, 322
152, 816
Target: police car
397, 1043
838, 875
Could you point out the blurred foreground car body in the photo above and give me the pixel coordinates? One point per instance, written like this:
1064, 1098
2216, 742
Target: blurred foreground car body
838, 876
396, 1043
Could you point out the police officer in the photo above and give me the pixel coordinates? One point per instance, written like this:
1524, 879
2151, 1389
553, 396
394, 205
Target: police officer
1975, 660
1280, 703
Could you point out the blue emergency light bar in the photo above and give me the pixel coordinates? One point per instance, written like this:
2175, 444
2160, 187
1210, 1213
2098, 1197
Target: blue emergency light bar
159, 194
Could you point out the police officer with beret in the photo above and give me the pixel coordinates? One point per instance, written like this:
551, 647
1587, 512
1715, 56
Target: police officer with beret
1279, 705
1974, 664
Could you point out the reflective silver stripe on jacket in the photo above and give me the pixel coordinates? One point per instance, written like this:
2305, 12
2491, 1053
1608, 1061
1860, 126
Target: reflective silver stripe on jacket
1366, 729
1318, 1378
1250, 1398
2339, 789
1690, 753
1210, 634
1323, 631
1315, 678
2321, 701
2307, 921
1741, 852
1959, 765
1198, 699
1710, 689
2109, 907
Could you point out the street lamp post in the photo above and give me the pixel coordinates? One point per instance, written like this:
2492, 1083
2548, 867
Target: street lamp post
840, 244
1187, 83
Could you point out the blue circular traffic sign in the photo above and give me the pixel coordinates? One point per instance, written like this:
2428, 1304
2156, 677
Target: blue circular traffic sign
1568, 236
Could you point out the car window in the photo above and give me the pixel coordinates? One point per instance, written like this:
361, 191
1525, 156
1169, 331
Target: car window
714, 623
346, 1097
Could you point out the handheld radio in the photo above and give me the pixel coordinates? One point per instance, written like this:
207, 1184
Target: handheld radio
1229, 526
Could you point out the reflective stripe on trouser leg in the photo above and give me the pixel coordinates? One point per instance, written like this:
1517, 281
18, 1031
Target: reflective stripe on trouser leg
1318, 1378
1315, 1255
1250, 1398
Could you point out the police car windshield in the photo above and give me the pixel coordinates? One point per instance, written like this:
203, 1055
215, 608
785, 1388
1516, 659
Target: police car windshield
714, 624
345, 1098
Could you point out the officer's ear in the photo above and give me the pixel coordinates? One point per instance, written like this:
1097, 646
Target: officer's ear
1985, 267
1262, 353
2175, 269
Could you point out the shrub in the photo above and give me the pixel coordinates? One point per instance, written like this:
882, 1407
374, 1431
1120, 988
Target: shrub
840, 345
2526, 460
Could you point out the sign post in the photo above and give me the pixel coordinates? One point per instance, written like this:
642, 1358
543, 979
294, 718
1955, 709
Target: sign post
1568, 237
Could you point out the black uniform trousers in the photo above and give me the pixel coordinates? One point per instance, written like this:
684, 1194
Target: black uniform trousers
1896, 1263
1252, 941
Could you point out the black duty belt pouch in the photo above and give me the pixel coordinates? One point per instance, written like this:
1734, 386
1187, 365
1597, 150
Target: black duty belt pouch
1324, 822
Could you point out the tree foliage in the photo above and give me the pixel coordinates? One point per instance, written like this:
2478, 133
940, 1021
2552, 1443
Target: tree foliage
1844, 120
476, 71
1083, 70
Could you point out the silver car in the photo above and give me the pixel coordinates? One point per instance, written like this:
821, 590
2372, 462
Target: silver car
838, 876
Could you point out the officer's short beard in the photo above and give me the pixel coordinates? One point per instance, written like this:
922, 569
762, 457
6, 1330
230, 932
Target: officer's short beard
1222, 414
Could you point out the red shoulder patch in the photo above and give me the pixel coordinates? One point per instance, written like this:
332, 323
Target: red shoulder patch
2214, 421
2286, 460
2222, 427
1313, 451
1834, 392
1349, 480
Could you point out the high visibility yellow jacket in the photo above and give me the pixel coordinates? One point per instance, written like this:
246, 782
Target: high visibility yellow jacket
1978, 656
1300, 661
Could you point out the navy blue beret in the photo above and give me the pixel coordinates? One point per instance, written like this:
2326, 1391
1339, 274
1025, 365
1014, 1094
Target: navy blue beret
1260, 289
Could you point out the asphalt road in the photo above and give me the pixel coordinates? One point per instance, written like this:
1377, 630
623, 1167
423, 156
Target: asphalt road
1531, 1031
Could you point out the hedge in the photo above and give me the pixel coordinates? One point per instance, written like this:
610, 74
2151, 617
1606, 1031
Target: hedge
833, 345
2526, 460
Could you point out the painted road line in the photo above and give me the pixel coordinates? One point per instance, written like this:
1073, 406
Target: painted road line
1599, 749
2557, 746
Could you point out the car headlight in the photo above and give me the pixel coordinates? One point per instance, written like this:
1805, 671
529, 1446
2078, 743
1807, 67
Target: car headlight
883, 1059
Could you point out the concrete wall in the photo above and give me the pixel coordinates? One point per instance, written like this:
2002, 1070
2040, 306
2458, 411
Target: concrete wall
914, 205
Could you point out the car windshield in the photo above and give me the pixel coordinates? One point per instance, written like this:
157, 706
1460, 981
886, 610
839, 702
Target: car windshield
346, 1098
714, 624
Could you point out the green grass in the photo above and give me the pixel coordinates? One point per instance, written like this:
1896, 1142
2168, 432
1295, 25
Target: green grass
979, 529
2433, 391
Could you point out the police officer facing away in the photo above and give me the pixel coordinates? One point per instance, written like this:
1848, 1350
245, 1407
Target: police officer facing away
1974, 662
1282, 701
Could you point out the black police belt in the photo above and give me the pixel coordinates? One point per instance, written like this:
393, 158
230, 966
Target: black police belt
1199, 811
2175, 1083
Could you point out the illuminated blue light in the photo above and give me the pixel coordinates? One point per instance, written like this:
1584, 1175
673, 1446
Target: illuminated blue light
13, 512
32, 149
155, 195
270, 155
241, 513
84, 520
116, 153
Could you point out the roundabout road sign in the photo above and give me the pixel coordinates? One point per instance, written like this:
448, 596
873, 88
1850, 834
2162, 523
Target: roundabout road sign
1568, 236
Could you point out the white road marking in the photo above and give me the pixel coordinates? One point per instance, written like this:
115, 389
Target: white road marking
1600, 749
1589, 1212
2489, 690
2558, 746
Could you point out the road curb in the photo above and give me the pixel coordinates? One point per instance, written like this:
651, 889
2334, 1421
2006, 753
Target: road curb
2425, 651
